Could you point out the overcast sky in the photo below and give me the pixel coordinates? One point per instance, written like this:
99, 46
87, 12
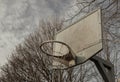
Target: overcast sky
19, 17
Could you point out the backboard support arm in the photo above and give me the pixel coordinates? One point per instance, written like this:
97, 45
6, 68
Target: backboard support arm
105, 68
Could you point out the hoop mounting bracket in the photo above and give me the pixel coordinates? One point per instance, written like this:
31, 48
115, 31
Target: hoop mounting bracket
105, 68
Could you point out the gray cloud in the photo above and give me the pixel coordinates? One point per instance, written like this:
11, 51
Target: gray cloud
20, 17
57, 6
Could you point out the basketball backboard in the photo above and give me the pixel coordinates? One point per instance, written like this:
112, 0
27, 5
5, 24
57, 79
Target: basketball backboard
83, 37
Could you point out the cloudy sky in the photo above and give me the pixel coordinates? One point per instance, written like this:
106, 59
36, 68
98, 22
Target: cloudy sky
19, 17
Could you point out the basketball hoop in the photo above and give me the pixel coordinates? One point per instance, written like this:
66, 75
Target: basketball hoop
61, 53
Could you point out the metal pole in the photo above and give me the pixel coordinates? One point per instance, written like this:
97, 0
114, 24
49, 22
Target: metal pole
105, 68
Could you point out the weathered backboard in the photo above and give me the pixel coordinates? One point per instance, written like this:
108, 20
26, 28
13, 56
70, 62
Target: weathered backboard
84, 37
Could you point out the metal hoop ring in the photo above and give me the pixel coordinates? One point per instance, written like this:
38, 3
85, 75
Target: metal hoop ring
53, 41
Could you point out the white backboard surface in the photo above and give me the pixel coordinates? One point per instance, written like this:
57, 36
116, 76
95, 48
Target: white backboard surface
84, 37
